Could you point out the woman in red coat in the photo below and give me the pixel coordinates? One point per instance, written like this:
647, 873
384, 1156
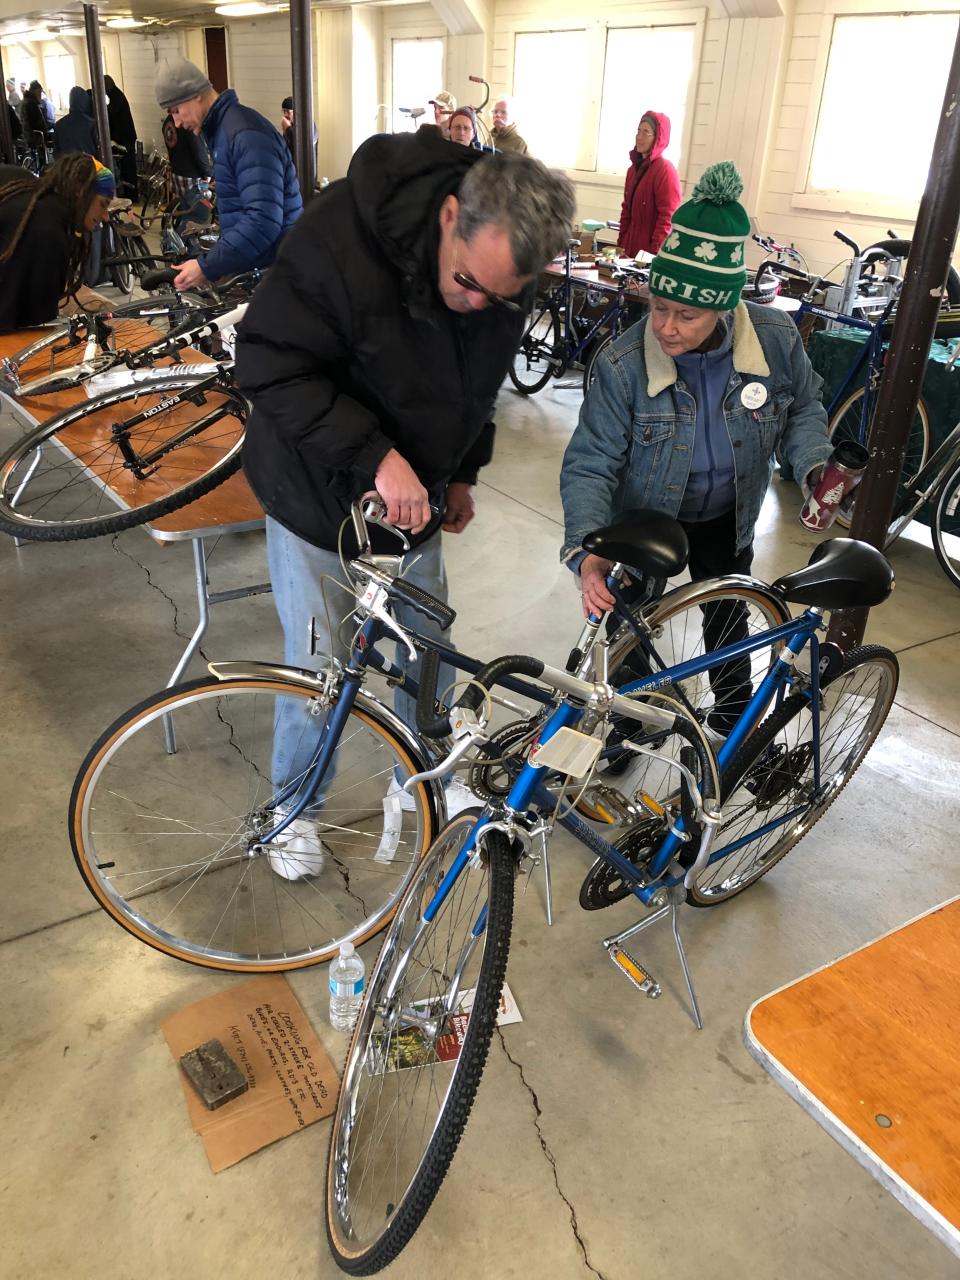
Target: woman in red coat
651, 191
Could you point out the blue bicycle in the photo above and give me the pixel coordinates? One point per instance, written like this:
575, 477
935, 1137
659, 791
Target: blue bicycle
727, 808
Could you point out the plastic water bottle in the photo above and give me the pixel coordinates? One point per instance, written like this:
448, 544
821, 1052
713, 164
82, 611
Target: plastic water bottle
346, 988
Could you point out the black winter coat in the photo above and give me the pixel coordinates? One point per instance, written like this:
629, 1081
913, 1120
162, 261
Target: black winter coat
33, 279
348, 349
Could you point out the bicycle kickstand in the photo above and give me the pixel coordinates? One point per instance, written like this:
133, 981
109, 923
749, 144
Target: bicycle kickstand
641, 978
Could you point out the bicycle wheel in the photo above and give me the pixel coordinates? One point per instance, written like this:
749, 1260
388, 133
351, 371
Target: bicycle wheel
685, 624
846, 425
533, 365
167, 841
406, 1093
946, 526
73, 351
771, 778
68, 479
590, 368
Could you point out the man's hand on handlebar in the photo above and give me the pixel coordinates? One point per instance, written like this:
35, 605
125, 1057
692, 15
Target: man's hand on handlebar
408, 504
190, 276
593, 586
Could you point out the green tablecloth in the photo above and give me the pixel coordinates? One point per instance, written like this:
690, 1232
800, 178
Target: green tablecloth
831, 353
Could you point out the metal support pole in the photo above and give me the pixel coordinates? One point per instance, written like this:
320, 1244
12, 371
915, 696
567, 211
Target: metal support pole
6, 133
97, 89
301, 57
913, 330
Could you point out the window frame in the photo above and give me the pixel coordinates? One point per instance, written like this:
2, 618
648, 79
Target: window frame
420, 32
596, 30
835, 200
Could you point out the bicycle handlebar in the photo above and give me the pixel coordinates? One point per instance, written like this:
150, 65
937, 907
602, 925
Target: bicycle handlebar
851, 244
160, 276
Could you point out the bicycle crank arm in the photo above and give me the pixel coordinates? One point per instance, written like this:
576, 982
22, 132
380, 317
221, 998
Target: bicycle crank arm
642, 980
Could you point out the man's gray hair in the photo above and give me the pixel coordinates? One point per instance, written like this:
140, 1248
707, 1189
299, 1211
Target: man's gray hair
533, 204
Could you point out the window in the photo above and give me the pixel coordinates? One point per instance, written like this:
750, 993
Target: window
417, 67
60, 78
656, 60
550, 81
879, 144
575, 116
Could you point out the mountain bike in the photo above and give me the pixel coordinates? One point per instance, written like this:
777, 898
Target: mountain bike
173, 814
559, 334
724, 818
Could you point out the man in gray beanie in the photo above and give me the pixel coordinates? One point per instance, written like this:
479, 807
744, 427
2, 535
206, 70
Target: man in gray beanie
258, 197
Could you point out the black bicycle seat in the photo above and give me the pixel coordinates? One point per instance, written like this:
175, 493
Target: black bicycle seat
644, 540
842, 573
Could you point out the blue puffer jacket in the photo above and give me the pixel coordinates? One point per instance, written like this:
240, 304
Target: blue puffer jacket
258, 197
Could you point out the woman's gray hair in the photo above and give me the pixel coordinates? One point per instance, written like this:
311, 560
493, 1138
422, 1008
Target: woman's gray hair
533, 204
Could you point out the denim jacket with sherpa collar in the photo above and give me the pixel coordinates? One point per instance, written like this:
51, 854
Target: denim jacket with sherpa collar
634, 442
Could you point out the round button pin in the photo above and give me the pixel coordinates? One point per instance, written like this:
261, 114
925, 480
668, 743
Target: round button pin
753, 395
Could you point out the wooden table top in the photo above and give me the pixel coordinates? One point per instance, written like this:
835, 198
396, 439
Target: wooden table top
231, 505
870, 1046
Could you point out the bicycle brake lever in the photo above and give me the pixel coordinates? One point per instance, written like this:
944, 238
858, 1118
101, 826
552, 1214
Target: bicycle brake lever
374, 601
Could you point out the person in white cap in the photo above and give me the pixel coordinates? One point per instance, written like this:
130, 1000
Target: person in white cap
258, 197
444, 105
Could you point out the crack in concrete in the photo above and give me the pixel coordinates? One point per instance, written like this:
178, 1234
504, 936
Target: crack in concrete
122, 551
551, 1159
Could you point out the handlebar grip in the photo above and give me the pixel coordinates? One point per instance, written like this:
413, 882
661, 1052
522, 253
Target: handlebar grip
851, 244
494, 672
424, 603
154, 279
429, 723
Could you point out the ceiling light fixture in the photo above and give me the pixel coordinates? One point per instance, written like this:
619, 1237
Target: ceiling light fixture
246, 9
124, 24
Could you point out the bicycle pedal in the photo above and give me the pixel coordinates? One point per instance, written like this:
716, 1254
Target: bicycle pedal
642, 980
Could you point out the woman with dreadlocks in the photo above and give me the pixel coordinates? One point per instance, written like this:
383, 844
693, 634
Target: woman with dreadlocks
44, 235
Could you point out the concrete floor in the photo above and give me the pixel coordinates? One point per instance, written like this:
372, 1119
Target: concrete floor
609, 1138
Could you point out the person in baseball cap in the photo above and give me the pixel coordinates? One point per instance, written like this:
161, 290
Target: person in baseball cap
444, 105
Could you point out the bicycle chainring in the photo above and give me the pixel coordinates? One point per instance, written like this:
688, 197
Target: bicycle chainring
492, 780
603, 884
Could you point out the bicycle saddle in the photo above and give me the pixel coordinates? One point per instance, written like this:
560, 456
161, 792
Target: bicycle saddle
644, 540
842, 573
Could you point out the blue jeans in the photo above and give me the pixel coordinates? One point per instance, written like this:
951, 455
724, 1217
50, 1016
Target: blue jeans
296, 570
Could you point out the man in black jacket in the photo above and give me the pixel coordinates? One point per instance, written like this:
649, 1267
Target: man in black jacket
374, 350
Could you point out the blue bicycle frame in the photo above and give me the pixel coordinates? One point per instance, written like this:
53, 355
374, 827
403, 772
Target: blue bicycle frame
527, 787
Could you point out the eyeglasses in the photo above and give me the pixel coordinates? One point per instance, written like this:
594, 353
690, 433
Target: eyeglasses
468, 282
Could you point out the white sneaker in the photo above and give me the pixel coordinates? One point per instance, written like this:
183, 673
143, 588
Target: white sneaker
407, 802
298, 852
460, 797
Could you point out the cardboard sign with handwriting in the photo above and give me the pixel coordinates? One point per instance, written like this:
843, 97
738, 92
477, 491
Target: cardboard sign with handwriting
292, 1081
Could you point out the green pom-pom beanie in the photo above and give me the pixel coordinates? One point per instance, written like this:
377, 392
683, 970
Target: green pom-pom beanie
701, 260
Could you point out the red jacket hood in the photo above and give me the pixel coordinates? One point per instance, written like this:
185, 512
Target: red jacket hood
662, 141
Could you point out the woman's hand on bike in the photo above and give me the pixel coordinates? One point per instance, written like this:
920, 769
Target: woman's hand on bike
593, 585
460, 509
408, 504
190, 276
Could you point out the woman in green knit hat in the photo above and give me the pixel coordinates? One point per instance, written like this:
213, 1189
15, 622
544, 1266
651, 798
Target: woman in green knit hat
688, 409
